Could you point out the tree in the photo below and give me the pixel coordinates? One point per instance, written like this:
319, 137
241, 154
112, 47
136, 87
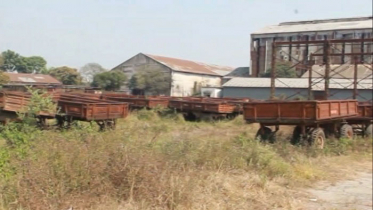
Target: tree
12, 61
152, 81
283, 70
1, 61
110, 80
89, 70
67, 75
33, 64
3, 78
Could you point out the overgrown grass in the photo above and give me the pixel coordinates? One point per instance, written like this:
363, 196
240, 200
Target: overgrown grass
159, 161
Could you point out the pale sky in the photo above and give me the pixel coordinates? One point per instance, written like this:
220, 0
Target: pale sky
108, 32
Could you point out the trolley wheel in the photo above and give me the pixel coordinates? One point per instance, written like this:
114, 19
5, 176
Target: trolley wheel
347, 131
265, 134
369, 131
317, 138
296, 138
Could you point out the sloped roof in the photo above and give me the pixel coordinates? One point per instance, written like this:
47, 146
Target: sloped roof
20, 78
239, 72
262, 82
345, 71
191, 66
318, 25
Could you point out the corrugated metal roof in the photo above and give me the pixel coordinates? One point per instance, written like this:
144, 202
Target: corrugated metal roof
20, 78
239, 72
319, 25
297, 83
191, 66
345, 71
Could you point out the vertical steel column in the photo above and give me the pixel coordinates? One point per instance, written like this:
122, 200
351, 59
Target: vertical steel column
258, 58
305, 57
343, 49
290, 48
327, 68
362, 49
354, 96
309, 68
273, 70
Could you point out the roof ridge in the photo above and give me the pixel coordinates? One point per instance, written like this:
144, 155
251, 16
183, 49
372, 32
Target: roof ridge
332, 20
198, 62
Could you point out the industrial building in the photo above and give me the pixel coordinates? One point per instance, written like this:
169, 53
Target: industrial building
291, 88
329, 29
19, 81
187, 77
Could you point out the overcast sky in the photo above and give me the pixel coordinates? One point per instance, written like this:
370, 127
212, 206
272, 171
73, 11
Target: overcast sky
76, 32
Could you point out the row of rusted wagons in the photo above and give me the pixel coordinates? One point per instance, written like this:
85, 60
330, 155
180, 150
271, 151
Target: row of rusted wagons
313, 120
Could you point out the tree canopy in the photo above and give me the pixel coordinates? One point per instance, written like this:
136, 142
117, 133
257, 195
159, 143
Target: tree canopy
89, 70
12, 61
283, 70
67, 75
152, 81
110, 80
3, 78
1, 60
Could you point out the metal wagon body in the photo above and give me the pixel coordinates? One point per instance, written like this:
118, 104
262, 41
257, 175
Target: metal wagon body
313, 119
14, 102
362, 123
198, 108
137, 102
103, 112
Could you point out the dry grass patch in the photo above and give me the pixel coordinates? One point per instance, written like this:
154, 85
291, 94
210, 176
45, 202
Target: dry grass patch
152, 162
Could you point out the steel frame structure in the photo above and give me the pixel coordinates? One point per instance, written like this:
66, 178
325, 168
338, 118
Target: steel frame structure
326, 49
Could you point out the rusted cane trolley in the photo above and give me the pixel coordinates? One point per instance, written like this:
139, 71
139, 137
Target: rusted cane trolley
313, 120
104, 113
137, 102
363, 123
194, 109
14, 102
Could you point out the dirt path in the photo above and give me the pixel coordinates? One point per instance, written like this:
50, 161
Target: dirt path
352, 194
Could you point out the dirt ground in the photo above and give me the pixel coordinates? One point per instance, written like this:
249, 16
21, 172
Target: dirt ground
353, 193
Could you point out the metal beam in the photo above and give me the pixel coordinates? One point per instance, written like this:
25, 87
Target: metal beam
354, 96
323, 41
273, 71
342, 54
327, 69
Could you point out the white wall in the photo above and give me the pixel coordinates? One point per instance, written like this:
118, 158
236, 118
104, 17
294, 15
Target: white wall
213, 92
183, 83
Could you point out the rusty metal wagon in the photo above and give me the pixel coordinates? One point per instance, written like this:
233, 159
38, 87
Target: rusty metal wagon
313, 120
363, 123
140, 102
194, 109
103, 112
14, 102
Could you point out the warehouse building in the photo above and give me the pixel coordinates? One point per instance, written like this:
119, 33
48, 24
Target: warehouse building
292, 88
344, 28
19, 81
187, 77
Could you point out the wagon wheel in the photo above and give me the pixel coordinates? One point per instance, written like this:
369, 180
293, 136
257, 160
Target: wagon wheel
265, 134
110, 124
347, 131
101, 124
62, 122
296, 138
231, 116
42, 122
317, 138
369, 131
